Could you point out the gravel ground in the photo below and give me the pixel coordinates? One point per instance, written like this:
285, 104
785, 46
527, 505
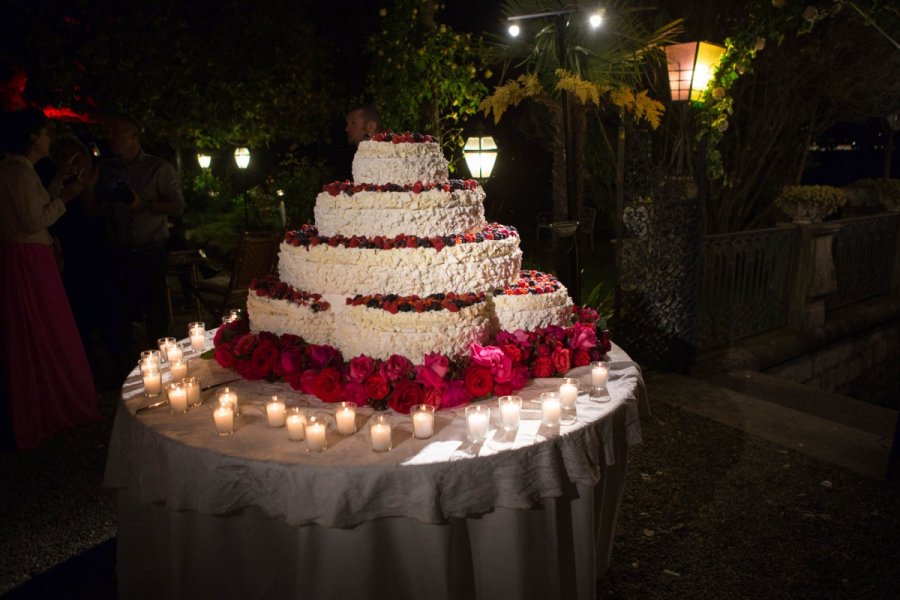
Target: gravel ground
708, 512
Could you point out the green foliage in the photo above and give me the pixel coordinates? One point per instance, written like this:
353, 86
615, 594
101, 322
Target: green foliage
811, 202
887, 186
603, 302
425, 76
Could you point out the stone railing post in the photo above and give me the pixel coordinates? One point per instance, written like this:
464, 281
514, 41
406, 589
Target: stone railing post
814, 277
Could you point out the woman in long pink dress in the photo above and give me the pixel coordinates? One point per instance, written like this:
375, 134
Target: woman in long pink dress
49, 382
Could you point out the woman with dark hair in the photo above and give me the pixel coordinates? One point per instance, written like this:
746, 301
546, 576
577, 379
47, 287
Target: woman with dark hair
49, 382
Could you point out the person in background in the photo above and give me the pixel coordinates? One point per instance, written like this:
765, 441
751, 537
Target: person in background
49, 382
362, 123
140, 192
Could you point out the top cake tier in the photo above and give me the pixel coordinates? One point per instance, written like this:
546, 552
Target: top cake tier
405, 162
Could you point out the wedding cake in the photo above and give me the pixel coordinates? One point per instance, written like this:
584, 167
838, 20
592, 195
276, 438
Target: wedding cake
402, 261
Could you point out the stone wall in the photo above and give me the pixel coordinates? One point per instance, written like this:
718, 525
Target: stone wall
865, 366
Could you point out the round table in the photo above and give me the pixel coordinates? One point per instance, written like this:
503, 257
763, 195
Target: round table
529, 513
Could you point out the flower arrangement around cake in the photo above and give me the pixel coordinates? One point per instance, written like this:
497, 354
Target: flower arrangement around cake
502, 367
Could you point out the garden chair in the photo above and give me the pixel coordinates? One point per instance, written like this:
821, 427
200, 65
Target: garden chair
255, 256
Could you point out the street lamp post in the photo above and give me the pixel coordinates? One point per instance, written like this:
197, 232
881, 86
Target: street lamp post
242, 160
480, 153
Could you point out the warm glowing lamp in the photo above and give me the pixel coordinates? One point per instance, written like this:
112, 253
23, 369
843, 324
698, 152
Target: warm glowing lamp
691, 68
596, 19
204, 160
242, 157
514, 31
480, 154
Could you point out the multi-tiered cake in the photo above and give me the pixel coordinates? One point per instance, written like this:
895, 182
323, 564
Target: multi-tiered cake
401, 261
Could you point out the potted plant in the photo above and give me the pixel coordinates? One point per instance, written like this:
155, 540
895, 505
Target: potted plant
886, 191
810, 203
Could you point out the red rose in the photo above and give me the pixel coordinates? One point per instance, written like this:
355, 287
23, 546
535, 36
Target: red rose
561, 360
478, 381
581, 358
542, 367
244, 346
406, 394
328, 385
263, 359
225, 356
512, 351
376, 386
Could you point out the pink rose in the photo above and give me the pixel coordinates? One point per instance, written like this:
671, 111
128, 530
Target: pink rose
429, 378
360, 368
396, 367
485, 356
555, 332
583, 337
561, 360
455, 395
437, 363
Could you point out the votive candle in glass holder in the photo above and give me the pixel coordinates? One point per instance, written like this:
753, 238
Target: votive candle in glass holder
164, 345
510, 412
599, 380
316, 433
568, 396
192, 385
224, 419
179, 369
197, 334
551, 409
151, 376
380, 429
227, 397
174, 352
276, 412
423, 420
345, 418
478, 418
296, 423
177, 395
151, 356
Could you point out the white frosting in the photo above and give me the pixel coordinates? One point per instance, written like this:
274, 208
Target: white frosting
379, 334
530, 311
283, 316
430, 213
386, 162
462, 268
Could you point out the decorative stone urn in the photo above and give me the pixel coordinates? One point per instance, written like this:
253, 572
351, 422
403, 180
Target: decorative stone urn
806, 204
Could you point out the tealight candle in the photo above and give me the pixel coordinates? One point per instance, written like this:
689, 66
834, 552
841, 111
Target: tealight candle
192, 385
151, 356
179, 369
174, 352
551, 408
276, 412
227, 397
423, 420
224, 419
164, 345
345, 417
316, 428
197, 333
152, 378
477, 421
568, 392
599, 375
296, 424
510, 412
177, 395
380, 428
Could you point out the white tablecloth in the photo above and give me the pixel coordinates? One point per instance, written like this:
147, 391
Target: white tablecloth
529, 514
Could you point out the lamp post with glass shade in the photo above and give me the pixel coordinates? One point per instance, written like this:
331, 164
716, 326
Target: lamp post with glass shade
480, 153
242, 160
204, 160
568, 226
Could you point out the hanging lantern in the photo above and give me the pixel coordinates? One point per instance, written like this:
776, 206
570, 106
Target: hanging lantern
480, 154
204, 160
691, 68
242, 157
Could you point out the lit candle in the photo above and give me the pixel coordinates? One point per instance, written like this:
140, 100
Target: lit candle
423, 420
229, 398
276, 412
174, 352
151, 356
197, 333
599, 375
568, 393
296, 425
179, 369
315, 434
152, 378
192, 385
510, 412
381, 433
345, 417
551, 409
477, 420
164, 345
224, 419
177, 395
